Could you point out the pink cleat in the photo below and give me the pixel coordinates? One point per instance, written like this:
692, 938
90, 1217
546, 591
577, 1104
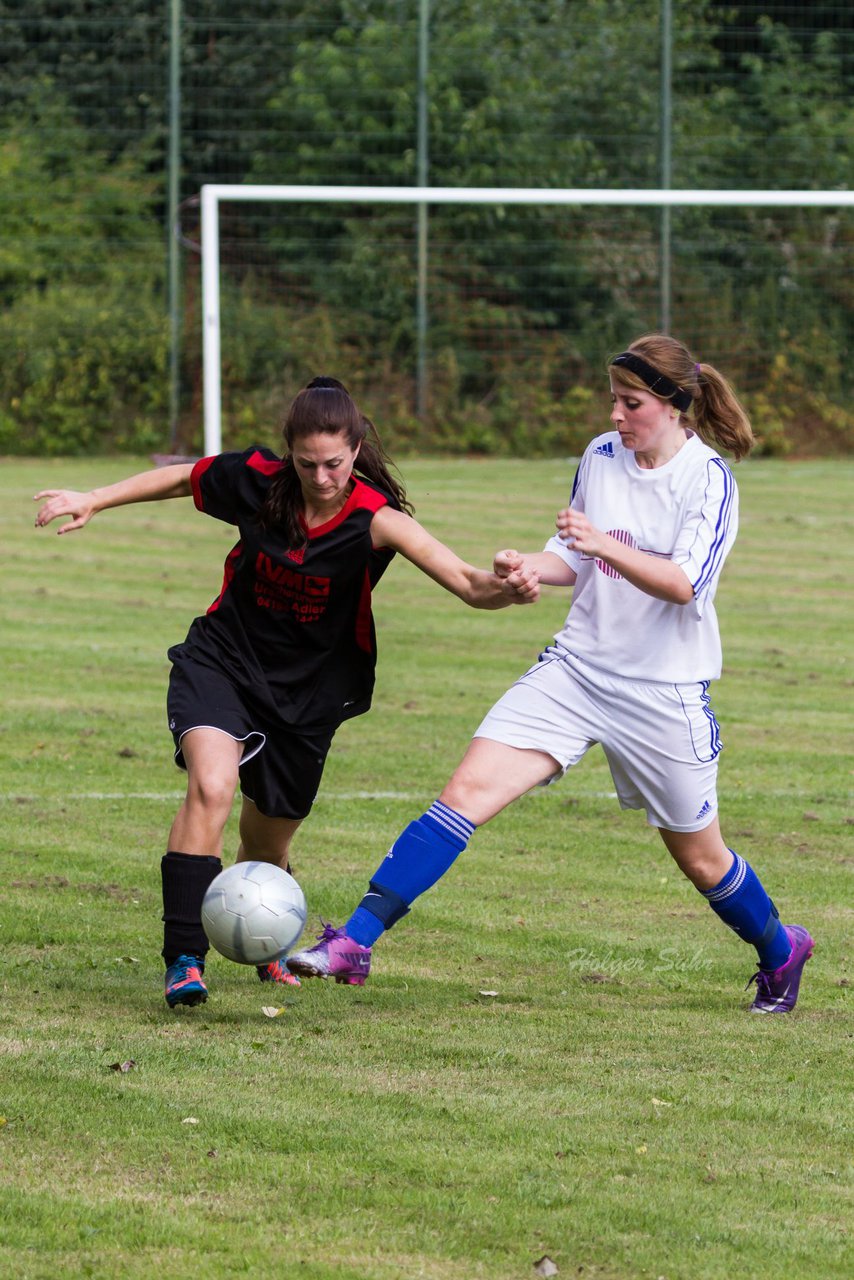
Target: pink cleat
777, 992
335, 956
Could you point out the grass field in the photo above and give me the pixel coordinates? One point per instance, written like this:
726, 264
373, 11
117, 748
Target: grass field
608, 1103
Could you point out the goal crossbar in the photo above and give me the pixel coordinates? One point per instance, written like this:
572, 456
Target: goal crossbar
213, 193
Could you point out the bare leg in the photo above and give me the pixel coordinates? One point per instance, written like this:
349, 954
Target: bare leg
702, 856
212, 760
264, 839
492, 775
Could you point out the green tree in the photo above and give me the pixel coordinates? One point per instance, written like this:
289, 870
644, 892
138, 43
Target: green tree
68, 212
82, 324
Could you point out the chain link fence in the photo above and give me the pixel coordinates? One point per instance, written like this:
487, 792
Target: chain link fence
115, 116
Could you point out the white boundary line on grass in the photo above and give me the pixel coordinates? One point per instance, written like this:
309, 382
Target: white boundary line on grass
346, 797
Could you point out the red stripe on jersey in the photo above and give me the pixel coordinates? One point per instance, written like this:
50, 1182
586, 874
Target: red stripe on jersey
228, 574
196, 480
362, 498
363, 616
267, 466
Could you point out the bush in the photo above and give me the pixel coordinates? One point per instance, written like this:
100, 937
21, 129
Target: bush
85, 370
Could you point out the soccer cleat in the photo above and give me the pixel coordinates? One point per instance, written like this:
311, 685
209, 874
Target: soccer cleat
335, 956
276, 972
184, 982
777, 991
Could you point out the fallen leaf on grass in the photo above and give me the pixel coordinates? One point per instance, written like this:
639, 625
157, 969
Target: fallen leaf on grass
189, 1120
544, 1266
129, 1065
659, 1102
271, 1010
127, 753
488, 993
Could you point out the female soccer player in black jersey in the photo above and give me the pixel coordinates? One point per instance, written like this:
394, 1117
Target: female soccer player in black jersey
287, 651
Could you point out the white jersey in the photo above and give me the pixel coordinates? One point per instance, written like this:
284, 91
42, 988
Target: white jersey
685, 511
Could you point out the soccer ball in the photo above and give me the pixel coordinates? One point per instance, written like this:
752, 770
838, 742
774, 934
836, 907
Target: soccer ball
253, 912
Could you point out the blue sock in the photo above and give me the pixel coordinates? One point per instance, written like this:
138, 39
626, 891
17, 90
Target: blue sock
418, 858
742, 903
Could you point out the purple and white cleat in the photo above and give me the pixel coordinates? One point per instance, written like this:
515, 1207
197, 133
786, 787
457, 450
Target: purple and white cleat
335, 956
777, 992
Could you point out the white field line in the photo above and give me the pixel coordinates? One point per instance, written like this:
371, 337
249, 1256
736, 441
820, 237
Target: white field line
347, 797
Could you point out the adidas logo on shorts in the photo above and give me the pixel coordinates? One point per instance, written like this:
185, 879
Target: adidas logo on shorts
707, 808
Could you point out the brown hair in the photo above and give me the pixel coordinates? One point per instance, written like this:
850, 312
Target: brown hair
325, 407
718, 415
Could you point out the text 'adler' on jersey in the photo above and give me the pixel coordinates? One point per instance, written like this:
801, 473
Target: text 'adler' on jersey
279, 587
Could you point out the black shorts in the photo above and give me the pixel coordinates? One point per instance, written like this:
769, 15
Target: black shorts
281, 767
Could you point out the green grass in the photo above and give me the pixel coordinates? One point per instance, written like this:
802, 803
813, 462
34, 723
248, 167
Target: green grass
612, 1106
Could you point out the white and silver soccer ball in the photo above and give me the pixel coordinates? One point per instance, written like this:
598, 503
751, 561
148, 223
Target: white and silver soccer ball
253, 912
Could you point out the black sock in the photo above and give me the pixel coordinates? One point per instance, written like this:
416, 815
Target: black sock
185, 881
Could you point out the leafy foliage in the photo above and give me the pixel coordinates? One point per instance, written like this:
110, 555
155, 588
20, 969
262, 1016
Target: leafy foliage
524, 303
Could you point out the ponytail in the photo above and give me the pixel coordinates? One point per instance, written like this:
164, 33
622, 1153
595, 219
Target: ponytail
374, 464
719, 415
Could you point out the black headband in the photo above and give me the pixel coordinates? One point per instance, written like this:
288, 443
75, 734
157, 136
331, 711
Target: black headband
657, 382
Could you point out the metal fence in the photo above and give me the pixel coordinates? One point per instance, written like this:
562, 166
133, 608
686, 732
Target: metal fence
113, 108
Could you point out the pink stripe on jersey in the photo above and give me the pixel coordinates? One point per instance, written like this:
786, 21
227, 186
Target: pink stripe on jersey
621, 535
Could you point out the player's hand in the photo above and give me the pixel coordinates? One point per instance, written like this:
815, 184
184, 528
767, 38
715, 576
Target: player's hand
505, 563
522, 585
577, 532
65, 502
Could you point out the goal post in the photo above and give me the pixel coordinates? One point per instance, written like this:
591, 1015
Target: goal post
213, 194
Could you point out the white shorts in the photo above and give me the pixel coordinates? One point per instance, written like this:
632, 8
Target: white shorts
662, 741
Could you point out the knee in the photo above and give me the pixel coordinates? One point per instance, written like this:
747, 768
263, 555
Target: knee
461, 794
705, 868
212, 792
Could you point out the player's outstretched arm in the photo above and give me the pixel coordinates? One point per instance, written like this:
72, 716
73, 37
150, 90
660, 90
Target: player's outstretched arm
147, 486
477, 587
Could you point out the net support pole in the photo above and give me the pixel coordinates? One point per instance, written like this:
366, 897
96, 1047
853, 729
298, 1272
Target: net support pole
665, 292
172, 218
210, 321
421, 300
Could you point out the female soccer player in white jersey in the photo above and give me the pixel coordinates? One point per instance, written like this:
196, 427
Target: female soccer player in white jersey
287, 651
652, 516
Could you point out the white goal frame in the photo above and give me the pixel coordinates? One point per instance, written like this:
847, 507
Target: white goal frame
213, 193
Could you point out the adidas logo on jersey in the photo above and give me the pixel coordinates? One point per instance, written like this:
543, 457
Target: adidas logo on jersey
606, 450
707, 808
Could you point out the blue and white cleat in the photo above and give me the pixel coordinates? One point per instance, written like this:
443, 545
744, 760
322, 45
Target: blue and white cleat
184, 982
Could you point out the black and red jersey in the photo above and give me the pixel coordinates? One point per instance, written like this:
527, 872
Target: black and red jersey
292, 628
